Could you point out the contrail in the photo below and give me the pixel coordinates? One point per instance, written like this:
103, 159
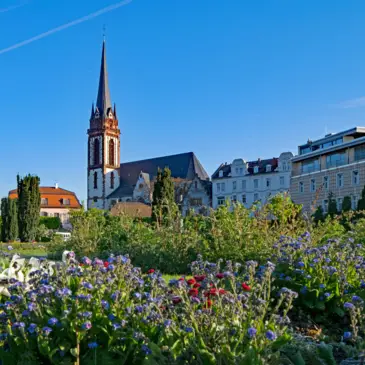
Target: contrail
67, 25
5, 10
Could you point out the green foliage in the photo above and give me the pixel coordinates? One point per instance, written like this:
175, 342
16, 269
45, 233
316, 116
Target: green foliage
318, 215
4, 216
29, 204
50, 222
361, 202
346, 204
9, 228
332, 205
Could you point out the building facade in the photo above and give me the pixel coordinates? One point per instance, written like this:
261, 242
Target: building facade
249, 182
108, 180
55, 202
334, 164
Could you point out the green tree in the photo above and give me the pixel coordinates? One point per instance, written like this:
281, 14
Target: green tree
50, 222
346, 204
29, 205
332, 205
361, 202
318, 215
12, 220
4, 219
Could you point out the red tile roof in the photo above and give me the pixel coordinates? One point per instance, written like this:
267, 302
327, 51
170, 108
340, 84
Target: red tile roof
55, 196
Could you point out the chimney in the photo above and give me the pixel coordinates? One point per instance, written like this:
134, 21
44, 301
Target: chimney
56, 186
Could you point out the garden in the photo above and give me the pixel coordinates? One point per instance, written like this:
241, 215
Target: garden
233, 287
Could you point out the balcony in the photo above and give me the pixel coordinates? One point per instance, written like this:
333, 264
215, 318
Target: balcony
309, 169
338, 163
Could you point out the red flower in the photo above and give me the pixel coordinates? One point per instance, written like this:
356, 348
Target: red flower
191, 281
193, 292
211, 292
81, 264
197, 285
176, 300
106, 264
246, 287
199, 277
222, 291
220, 275
208, 304
181, 279
151, 271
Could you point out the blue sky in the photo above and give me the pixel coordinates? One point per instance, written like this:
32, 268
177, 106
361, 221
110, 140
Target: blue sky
225, 79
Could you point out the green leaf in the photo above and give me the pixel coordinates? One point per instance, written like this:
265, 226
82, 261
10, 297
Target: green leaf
74, 352
207, 357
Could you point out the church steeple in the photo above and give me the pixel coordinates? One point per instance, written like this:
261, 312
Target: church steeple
103, 102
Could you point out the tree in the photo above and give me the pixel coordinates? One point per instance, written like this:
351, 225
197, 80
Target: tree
163, 205
4, 219
361, 202
318, 215
50, 222
29, 205
12, 220
332, 205
346, 204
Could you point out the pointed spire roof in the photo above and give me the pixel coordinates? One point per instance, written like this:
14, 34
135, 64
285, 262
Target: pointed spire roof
103, 102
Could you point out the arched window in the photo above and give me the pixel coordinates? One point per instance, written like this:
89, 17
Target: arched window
96, 151
95, 180
111, 153
112, 180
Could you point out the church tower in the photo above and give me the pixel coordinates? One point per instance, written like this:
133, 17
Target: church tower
103, 145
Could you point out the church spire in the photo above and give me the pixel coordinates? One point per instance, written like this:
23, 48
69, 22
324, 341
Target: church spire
103, 102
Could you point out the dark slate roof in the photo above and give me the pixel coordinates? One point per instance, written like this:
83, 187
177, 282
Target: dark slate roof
226, 168
183, 166
103, 102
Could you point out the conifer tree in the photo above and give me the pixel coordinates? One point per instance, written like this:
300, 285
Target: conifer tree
346, 204
332, 205
12, 220
318, 215
4, 219
29, 205
361, 202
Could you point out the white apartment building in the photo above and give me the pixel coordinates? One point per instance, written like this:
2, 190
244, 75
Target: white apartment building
249, 182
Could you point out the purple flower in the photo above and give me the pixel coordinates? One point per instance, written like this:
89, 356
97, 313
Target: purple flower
322, 286
86, 314
188, 329
270, 335
32, 307
92, 345
116, 326
147, 351
105, 304
87, 285
32, 327
252, 332
347, 335
356, 298
18, 325
86, 325
10, 248
115, 295
111, 267
46, 330
25, 313
86, 260
348, 305
52, 321
167, 323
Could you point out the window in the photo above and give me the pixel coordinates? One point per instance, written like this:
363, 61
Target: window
57, 215
244, 199
221, 173
66, 201
95, 180
196, 185
255, 197
325, 206
234, 199
112, 180
44, 214
236, 170
255, 169
234, 185
340, 180
268, 168
268, 183
44, 201
218, 187
301, 187
335, 159
360, 153
256, 184
339, 204
95, 200
221, 200
282, 180
140, 186
223, 186
241, 171
325, 182
96, 151
196, 202
111, 152
354, 202
313, 185
243, 185
310, 166
284, 166
355, 178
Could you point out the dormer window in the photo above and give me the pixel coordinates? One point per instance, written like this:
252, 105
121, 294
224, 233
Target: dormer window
255, 169
44, 201
268, 168
66, 201
220, 173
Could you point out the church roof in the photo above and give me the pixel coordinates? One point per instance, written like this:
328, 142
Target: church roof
183, 165
103, 102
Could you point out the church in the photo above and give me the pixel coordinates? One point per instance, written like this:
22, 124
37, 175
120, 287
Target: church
110, 181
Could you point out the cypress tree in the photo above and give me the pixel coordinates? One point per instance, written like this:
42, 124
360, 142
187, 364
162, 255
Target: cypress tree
361, 202
4, 220
12, 220
346, 204
156, 197
29, 205
332, 205
318, 215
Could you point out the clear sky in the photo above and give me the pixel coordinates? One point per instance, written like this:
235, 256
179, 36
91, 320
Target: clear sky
222, 78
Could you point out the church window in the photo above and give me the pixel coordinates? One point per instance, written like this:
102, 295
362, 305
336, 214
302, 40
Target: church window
111, 152
95, 180
96, 152
112, 180
140, 186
